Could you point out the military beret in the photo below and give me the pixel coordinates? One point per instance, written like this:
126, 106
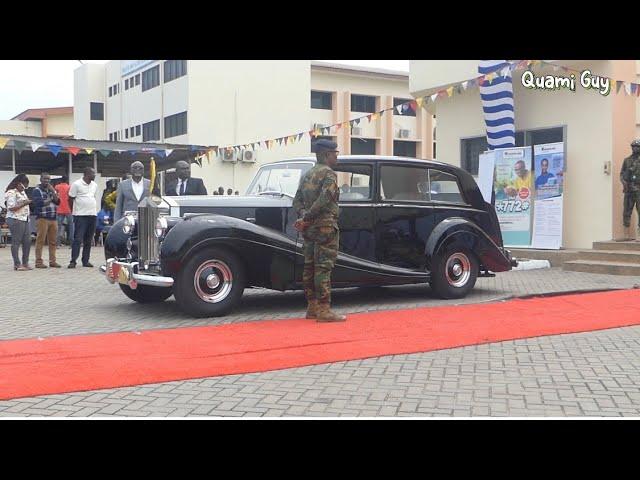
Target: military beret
323, 145
636, 143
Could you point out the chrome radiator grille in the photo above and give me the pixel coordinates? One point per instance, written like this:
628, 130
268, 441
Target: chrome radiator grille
148, 243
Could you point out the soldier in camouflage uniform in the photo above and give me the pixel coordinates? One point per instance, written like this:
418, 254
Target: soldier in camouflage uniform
316, 203
630, 178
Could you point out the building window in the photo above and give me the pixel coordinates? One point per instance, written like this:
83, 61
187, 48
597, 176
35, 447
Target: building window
363, 146
97, 111
363, 103
471, 148
126, 84
110, 91
137, 130
321, 100
126, 133
151, 78
137, 80
407, 111
404, 149
174, 69
111, 137
175, 125
132, 132
151, 130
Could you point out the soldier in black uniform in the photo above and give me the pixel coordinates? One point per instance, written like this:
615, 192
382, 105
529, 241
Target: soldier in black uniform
316, 203
630, 178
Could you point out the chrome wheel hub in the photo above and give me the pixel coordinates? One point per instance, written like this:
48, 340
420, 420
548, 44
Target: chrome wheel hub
458, 270
213, 281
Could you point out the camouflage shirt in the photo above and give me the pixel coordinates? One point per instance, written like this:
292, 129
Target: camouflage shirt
630, 173
316, 200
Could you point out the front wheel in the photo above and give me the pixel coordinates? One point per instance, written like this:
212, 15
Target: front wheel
454, 273
210, 284
146, 293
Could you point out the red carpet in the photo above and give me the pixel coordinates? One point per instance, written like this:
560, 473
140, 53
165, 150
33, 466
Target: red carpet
89, 362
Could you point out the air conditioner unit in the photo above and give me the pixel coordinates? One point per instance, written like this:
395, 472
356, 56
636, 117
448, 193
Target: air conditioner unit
229, 156
357, 131
403, 133
249, 156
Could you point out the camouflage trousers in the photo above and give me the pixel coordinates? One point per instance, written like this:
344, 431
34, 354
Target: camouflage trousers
320, 251
631, 199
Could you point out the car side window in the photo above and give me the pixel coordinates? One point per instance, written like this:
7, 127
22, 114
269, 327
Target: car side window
406, 183
354, 182
444, 187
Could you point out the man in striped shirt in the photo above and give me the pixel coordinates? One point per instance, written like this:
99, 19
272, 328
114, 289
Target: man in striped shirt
45, 201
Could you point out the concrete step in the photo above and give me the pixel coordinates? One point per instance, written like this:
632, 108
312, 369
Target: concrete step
622, 256
599, 266
611, 245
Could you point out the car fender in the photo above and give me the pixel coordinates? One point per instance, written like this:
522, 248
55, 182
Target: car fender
463, 232
268, 255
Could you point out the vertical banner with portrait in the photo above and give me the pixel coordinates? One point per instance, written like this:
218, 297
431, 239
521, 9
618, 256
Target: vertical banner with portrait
513, 186
549, 184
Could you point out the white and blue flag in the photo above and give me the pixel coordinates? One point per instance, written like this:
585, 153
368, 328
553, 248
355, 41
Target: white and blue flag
497, 104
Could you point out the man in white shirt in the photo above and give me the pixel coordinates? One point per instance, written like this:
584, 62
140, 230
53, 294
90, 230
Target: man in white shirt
131, 192
82, 202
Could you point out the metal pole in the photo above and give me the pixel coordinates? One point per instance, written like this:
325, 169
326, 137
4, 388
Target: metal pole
13, 161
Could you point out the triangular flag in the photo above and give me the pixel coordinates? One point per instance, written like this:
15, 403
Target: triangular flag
3, 142
35, 146
449, 91
338, 126
399, 109
619, 84
464, 85
375, 116
357, 120
19, 146
168, 151
369, 118
633, 88
104, 153
627, 88
414, 105
88, 150
433, 97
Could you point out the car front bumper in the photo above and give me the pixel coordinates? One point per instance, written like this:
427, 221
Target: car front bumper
126, 273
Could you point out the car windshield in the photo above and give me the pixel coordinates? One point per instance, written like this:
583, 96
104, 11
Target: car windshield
278, 178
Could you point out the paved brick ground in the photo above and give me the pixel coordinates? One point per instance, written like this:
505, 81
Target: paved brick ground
567, 375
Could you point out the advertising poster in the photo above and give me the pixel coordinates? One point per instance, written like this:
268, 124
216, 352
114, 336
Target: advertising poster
513, 186
549, 170
549, 182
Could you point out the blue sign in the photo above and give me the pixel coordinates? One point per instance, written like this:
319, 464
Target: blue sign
129, 66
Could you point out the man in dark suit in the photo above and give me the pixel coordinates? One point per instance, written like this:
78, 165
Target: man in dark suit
185, 185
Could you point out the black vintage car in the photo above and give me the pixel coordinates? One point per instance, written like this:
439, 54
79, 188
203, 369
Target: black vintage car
402, 221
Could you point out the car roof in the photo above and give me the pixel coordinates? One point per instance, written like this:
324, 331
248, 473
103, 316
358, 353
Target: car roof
371, 158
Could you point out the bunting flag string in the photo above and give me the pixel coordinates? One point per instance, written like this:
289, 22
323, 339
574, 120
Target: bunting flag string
617, 87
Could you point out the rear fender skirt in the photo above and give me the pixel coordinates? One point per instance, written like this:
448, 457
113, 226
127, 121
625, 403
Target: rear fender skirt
467, 234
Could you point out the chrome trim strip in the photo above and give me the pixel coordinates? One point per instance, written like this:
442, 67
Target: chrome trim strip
134, 279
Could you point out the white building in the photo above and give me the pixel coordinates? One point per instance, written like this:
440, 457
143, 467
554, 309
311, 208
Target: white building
238, 102
597, 131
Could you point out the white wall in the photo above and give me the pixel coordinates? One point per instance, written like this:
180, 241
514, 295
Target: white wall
21, 127
89, 86
588, 116
60, 125
241, 101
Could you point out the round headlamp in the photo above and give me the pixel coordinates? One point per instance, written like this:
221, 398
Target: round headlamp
161, 226
129, 224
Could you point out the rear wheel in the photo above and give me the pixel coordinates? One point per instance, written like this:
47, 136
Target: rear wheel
454, 273
147, 293
210, 284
